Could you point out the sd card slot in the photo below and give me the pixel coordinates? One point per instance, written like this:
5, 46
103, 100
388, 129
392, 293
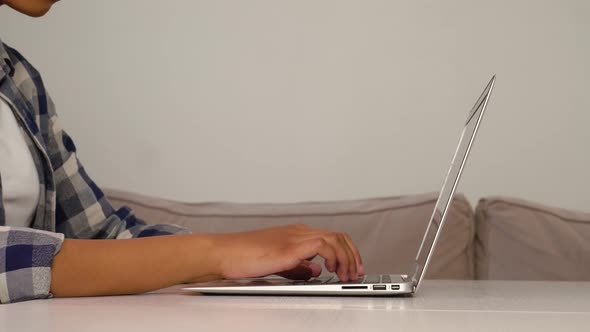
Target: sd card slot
354, 287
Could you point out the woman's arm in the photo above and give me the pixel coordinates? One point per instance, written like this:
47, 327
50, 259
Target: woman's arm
116, 267
113, 267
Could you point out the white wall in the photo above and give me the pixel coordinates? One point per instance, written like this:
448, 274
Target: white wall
267, 100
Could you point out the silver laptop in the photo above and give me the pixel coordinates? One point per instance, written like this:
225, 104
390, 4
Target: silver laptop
373, 285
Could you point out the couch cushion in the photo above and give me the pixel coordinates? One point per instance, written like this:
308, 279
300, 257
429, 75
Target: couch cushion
521, 240
387, 230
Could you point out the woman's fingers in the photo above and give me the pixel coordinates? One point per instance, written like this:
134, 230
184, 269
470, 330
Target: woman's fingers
303, 271
356, 253
346, 262
334, 242
343, 269
315, 268
318, 246
352, 264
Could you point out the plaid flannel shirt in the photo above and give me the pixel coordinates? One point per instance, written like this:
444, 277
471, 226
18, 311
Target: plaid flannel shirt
70, 204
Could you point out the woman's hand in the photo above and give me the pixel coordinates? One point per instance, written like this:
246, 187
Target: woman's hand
286, 251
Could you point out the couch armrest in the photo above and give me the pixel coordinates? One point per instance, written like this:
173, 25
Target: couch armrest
522, 240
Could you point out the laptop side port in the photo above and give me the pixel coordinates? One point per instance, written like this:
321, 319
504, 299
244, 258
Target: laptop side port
354, 287
394, 287
379, 287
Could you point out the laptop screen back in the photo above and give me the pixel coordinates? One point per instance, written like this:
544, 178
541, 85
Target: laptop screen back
452, 179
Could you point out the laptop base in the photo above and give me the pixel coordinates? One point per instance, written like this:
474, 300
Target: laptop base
398, 285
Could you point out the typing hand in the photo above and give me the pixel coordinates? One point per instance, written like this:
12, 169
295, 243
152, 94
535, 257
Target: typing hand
286, 251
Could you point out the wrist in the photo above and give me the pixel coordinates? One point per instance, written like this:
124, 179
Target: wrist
205, 259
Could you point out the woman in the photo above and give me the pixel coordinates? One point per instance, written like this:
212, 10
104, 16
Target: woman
56, 225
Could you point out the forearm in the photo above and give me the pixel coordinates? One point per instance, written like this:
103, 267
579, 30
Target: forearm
115, 267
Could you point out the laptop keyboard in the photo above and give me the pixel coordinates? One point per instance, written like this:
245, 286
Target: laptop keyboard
367, 279
376, 279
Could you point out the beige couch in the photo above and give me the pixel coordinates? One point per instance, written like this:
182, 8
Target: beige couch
503, 238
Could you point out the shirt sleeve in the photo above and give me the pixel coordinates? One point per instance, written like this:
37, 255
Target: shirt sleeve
82, 209
26, 256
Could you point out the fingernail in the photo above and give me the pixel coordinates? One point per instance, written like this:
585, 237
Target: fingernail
315, 269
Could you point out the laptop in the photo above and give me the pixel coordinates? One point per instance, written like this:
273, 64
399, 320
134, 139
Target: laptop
372, 285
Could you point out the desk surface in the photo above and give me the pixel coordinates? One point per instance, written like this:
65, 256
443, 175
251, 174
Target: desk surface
439, 306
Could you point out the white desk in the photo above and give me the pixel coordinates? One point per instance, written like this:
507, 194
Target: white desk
439, 306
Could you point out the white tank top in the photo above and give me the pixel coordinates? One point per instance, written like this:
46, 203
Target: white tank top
20, 182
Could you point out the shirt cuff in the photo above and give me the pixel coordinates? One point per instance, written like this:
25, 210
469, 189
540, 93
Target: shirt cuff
26, 256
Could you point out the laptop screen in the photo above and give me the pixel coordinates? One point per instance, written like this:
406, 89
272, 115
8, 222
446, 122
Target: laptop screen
448, 189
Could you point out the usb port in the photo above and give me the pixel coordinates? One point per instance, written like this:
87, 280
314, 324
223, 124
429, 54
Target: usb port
379, 287
394, 287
